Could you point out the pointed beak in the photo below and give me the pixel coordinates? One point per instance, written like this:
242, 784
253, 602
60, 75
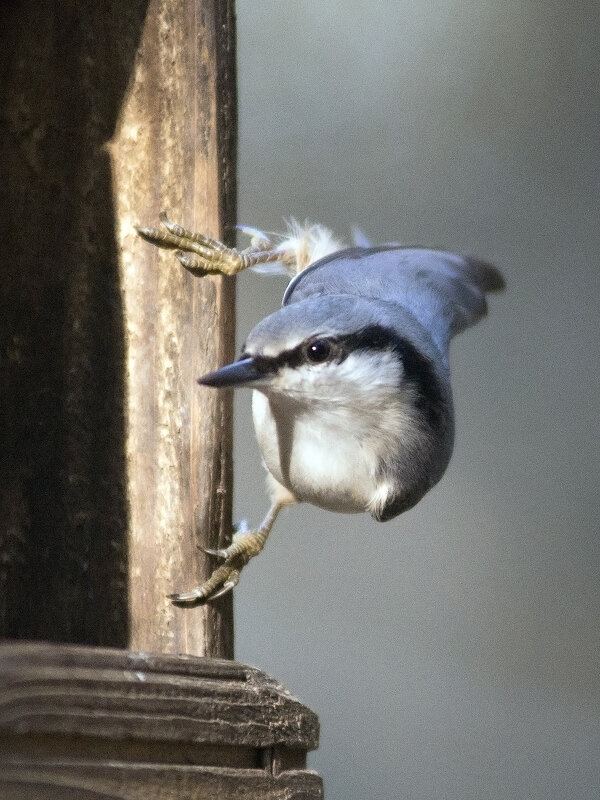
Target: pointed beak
239, 373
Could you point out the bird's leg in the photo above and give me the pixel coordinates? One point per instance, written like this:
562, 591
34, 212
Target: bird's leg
202, 255
245, 546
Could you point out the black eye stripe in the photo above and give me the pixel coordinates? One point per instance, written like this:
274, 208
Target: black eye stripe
373, 337
418, 369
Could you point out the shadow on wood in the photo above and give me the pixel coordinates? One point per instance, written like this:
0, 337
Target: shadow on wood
63, 527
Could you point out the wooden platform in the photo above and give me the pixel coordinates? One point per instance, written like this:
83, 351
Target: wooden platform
89, 723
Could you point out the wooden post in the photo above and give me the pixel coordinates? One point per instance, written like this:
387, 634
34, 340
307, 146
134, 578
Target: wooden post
174, 149
116, 465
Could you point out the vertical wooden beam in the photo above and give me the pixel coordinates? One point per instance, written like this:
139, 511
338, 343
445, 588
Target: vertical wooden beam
115, 465
173, 150
64, 70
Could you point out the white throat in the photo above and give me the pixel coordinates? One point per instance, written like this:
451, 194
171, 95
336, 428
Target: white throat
325, 444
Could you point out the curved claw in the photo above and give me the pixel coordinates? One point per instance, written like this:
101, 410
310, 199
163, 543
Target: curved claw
227, 586
195, 598
172, 227
224, 577
201, 595
216, 553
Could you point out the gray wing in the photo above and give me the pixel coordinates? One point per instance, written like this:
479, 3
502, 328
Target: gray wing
443, 291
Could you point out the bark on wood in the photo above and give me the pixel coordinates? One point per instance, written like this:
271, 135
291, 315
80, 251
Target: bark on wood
115, 465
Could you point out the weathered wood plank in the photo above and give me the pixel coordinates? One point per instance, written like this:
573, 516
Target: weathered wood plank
63, 781
115, 464
87, 692
174, 149
90, 723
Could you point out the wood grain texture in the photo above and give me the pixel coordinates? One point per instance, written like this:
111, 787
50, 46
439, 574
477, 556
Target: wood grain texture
116, 465
169, 152
112, 694
91, 723
57, 781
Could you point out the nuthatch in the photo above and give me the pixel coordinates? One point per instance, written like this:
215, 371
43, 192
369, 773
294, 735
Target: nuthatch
352, 403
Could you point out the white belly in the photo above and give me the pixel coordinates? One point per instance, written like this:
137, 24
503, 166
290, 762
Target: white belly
317, 456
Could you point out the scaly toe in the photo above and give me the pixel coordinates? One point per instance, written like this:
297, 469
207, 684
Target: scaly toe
190, 262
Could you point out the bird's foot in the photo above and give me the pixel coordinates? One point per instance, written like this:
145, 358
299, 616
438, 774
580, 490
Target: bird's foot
246, 544
202, 255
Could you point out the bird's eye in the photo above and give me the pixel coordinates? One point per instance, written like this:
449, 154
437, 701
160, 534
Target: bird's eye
318, 351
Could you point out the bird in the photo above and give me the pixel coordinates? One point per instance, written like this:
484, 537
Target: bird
352, 400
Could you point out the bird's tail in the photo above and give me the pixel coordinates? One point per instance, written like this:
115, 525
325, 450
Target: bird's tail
485, 276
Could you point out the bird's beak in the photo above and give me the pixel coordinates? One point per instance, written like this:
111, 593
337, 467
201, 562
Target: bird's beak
239, 373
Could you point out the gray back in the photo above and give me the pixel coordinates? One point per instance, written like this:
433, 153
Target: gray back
443, 291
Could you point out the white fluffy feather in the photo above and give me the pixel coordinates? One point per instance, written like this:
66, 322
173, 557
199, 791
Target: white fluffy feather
300, 246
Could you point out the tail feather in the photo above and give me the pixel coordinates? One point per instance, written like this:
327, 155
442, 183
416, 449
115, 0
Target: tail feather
484, 275
457, 288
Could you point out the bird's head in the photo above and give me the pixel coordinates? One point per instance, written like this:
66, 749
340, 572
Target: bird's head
336, 350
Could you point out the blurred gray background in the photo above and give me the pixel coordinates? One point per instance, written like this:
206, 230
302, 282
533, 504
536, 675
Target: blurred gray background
455, 651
